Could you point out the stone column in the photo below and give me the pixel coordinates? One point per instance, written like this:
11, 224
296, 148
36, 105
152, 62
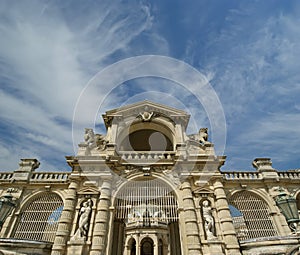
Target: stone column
230, 239
100, 233
66, 221
191, 226
138, 245
155, 245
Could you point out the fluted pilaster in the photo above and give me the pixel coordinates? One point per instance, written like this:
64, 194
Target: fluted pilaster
102, 218
65, 222
225, 219
191, 226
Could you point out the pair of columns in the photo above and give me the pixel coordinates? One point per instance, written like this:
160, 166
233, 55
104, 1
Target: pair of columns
66, 221
193, 241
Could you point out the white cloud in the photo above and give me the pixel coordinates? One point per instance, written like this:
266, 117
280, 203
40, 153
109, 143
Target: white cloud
259, 88
48, 52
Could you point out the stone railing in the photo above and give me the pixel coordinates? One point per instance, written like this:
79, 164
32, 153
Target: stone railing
146, 156
256, 175
289, 175
5, 176
242, 176
49, 177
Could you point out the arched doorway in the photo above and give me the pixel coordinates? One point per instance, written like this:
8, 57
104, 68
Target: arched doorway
146, 204
147, 246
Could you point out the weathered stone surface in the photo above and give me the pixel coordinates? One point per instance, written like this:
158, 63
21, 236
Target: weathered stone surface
150, 199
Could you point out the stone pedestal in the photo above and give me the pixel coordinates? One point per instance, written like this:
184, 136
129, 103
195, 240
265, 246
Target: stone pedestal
264, 166
78, 247
213, 247
27, 166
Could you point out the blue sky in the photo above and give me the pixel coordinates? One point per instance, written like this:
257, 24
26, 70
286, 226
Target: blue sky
248, 50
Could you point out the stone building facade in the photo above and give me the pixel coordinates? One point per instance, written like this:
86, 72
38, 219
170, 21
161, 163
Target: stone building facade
148, 188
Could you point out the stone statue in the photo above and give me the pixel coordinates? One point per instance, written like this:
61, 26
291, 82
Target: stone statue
101, 141
201, 137
173, 176
93, 140
159, 215
135, 216
209, 222
89, 138
84, 218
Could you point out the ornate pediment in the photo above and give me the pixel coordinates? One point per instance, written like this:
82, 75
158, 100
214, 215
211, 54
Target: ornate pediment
146, 111
202, 191
88, 191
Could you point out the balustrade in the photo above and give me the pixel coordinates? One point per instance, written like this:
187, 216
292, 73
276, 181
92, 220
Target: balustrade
147, 155
5, 176
49, 177
242, 175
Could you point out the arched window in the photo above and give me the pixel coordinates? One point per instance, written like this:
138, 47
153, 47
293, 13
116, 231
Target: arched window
249, 209
238, 221
39, 218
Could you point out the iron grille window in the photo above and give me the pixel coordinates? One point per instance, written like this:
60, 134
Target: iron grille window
146, 200
39, 219
253, 219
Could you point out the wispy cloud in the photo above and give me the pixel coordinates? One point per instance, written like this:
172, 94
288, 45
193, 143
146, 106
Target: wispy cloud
258, 84
48, 52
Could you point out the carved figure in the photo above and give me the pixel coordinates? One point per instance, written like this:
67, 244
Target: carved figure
159, 215
101, 141
147, 218
89, 138
146, 116
209, 222
134, 216
93, 140
83, 223
202, 135
173, 176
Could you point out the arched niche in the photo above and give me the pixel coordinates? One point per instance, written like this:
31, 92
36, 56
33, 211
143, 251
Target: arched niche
144, 136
